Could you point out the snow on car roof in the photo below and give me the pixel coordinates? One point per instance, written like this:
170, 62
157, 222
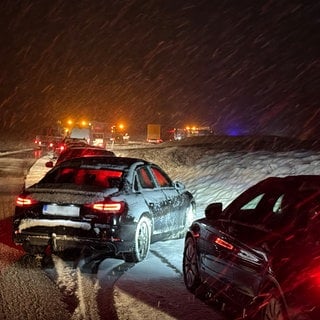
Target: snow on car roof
103, 162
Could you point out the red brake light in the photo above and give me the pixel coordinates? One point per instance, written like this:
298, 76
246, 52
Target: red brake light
107, 206
25, 201
314, 272
315, 276
224, 243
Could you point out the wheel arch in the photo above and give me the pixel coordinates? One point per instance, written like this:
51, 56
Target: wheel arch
270, 286
148, 215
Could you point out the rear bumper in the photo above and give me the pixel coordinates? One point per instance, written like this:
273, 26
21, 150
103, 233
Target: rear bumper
64, 234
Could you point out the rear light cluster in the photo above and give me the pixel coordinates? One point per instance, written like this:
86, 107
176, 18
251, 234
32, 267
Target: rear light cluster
315, 277
25, 201
107, 206
224, 243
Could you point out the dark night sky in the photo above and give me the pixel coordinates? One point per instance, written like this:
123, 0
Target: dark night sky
251, 66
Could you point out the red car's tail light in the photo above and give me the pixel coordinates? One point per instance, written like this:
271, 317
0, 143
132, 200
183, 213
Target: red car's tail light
25, 201
107, 206
224, 243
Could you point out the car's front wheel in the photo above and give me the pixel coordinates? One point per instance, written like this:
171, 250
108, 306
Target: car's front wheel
141, 242
191, 274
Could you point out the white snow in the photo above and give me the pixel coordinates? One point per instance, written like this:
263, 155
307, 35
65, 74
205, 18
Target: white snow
29, 223
154, 288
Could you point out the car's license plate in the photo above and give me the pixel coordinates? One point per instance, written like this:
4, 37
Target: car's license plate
68, 211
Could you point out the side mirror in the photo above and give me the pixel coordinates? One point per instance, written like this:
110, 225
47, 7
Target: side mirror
49, 164
179, 185
213, 211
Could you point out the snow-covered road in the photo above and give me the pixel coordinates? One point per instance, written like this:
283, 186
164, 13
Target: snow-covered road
152, 289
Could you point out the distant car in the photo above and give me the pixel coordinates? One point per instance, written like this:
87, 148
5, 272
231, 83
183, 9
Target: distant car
260, 256
116, 204
75, 152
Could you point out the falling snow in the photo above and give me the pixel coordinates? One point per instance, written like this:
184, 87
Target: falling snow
241, 66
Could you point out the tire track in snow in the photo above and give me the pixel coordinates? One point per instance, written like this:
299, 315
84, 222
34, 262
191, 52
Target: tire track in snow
80, 290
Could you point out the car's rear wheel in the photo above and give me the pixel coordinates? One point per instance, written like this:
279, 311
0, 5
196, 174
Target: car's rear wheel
141, 243
272, 309
191, 274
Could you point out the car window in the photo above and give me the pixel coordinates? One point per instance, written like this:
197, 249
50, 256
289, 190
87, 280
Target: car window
265, 209
86, 177
136, 183
145, 178
278, 204
162, 179
252, 204
74, 153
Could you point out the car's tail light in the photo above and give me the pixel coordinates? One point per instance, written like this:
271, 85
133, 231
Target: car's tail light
314, 275
25, 201
223, 243
107, 206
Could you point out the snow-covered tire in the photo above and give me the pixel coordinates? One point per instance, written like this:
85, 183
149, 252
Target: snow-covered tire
141, 242
190, 269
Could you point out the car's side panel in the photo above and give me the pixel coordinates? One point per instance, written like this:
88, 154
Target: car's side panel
178, 205
215, 261
160, 208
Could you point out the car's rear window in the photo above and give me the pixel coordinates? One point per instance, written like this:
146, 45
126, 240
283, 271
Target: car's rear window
68, 154
87, 177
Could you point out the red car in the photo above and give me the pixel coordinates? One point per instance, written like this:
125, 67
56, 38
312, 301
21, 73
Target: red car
75, 152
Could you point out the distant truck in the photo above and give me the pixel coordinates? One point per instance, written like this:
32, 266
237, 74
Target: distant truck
154, 133
81, 134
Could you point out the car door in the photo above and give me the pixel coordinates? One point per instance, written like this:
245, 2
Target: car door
216, 255
155, 199
251, 224
176, 203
